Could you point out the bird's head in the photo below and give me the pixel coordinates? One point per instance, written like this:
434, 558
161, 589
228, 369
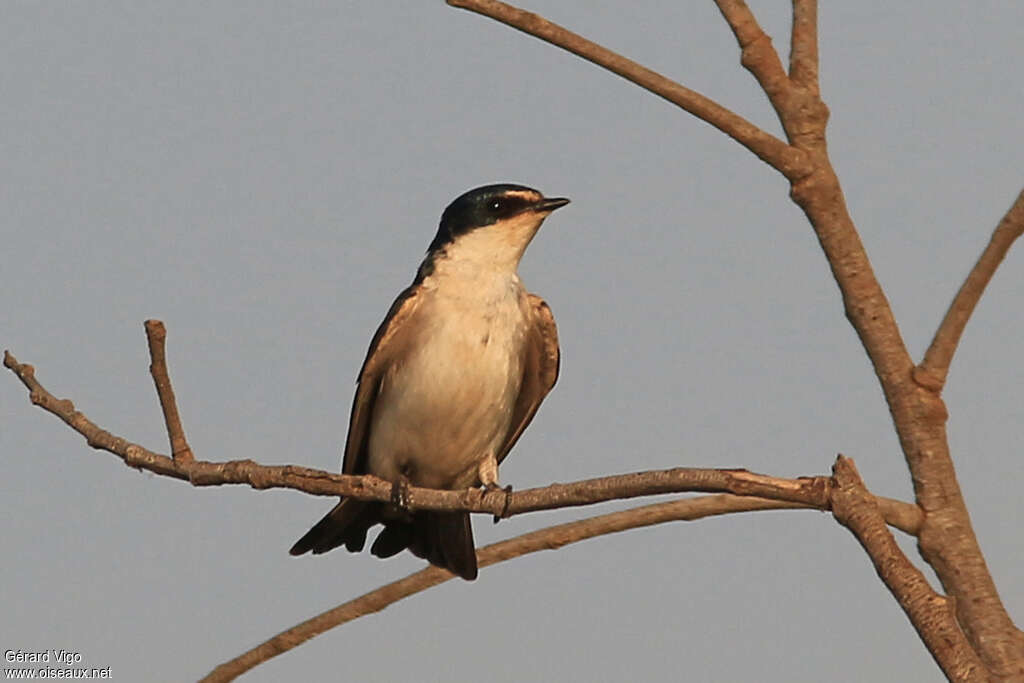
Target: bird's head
493, 224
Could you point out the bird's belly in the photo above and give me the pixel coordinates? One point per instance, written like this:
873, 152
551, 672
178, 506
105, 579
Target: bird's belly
449, 405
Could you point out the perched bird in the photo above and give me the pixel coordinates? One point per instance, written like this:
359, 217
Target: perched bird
453, 376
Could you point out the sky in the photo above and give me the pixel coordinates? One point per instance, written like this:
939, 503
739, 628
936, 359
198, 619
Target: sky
265, 177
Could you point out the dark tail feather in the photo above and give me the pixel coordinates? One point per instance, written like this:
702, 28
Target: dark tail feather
345, 525
396, 537
445, 539
456, 533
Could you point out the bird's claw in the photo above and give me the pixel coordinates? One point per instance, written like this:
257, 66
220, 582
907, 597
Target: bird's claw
508, 500
400, 494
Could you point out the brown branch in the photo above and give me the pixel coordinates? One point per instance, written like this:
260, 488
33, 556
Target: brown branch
756, 52
931, 614
767, 147
799, 107
947, 540
550, 538
156, 335
803, 45
809, 491
934, 369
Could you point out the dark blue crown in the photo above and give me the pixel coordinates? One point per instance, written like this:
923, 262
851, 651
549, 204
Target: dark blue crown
479, 207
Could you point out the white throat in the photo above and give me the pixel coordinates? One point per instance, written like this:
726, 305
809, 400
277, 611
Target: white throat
497, 248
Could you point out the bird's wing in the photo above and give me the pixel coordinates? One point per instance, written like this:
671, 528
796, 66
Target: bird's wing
540, 370
347, 523
388, 343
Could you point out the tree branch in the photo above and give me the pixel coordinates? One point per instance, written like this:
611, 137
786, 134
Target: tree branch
156, 335
931, 614
947, 539
800, 110
808, 491
767, 147
551, 538
803, 45
756, 52
934, 369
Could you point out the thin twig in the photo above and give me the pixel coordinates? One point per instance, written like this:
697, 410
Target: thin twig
803, 45
931, 614
934, 369
767, 147
550, 538
810, 491
800, 110
156, 335
756, 52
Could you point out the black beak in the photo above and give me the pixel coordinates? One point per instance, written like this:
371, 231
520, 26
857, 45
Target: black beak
549, 204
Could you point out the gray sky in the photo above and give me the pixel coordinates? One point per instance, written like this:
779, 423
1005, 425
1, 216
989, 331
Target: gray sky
265, 177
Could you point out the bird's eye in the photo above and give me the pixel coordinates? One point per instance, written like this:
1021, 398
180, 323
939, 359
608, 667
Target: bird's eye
495, 206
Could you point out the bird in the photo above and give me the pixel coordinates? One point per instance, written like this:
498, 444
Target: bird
453, 376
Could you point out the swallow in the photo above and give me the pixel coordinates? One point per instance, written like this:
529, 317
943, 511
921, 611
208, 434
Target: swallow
452, 378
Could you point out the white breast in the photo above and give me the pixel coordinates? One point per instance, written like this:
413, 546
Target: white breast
449, 404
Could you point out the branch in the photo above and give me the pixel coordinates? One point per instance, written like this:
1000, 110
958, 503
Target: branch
756, 52
551, 538
767, 147
803, 45
932, 615
934, 369
946, 540
156, 335
796, 100
807, 491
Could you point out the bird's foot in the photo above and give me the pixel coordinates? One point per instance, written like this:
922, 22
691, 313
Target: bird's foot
400, 494
488, 473
508, 500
